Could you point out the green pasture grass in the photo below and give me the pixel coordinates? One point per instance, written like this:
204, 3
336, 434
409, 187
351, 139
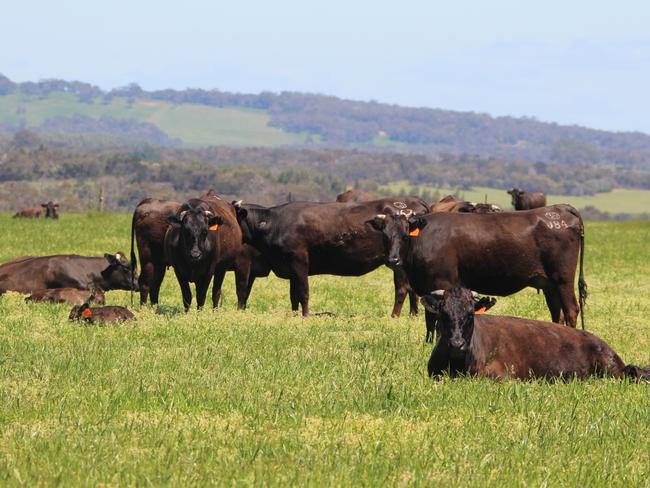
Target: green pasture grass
195, 125
619, 200
263, 397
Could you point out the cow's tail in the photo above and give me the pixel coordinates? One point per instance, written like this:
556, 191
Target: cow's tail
637, 373
582, 284
134, 262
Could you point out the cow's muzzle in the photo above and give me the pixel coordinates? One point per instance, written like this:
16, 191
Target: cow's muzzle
394, 261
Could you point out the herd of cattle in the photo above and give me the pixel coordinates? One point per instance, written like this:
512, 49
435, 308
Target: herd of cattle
447, 254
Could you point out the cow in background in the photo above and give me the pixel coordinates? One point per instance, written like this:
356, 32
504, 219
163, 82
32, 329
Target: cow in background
526, 200
49, 209
452, 204
356, 195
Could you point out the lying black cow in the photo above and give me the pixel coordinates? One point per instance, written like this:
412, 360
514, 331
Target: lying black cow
496, 254
303, 238
49, 209
527, 200
500, 347
31, 273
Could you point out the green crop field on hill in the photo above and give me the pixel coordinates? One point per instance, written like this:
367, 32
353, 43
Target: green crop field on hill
195, 125
263, 397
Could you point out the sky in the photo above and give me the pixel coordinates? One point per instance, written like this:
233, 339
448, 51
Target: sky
570, 61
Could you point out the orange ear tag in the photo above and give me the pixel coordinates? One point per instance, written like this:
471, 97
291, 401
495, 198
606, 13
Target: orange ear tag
87, 313
481, 310
214, 227
415, 232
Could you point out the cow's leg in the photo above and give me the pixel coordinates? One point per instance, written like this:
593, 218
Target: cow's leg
430, 322
401, 289
202, 286
439, 360
249, 287
219, 275
553, 302
569, 304
242, 274
156, 282
185, 291
299, 283
146, 273
413, 302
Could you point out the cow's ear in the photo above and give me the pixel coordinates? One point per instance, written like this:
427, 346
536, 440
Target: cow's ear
417, 223
110, 258
174, 221
377, 223
214, 222
44, 205
484, 304
431, 303
242, 213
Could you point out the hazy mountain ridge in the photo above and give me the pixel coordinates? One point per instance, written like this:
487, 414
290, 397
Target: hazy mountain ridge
334, 122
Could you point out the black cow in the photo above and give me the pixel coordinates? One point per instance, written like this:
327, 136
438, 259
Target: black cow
496, 254
50, 209
526, 200
30, 273
303, 238
500, 347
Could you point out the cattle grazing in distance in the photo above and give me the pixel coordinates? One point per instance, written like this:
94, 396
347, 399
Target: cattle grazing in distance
149, 226
508, 347
101, 315
356, 196
526, 200
30, 273
49, 209
452, 204
304, 238
73, 296
495, 254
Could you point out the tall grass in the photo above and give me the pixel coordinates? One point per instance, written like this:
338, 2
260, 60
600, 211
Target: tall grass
262, 397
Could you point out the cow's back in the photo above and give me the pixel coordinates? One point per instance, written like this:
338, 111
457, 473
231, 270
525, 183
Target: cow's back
511, 346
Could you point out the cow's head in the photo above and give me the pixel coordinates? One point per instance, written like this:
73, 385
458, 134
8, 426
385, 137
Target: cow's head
196, 226
397, 228
454, 311
516, 194
253, 221
118, 275
51, 209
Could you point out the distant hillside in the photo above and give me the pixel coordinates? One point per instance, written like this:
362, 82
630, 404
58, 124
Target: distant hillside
210, 117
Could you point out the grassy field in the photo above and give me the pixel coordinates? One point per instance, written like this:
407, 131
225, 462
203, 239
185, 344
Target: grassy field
262, 397
616, 201
195, 125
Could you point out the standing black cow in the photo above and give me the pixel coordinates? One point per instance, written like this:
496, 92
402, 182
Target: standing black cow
304, 238
527, 200
496, 254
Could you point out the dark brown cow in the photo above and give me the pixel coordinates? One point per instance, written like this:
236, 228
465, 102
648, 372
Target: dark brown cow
73, 296
355, 195
452, 204
149, 226
49, 209
101, 315
495, 254
203, 241
30, 273
304, 238
526, 200
508, 347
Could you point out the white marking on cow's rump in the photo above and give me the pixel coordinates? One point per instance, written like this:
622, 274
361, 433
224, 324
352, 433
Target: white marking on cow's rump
400, 205
552, 215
